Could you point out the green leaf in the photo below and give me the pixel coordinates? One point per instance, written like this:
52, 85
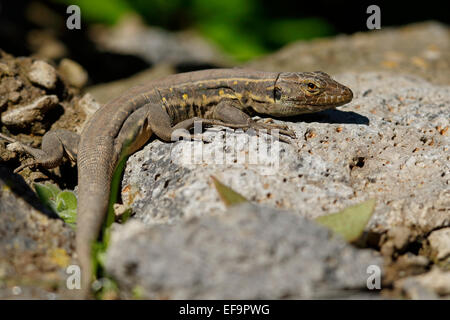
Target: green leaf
48, 191
66, 203
66, 200
63, 203
69, 217
283, 31
228, 195
109, 289
47, 194
350, 222
138, 293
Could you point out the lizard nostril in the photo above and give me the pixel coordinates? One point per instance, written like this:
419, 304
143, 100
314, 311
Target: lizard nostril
347, 95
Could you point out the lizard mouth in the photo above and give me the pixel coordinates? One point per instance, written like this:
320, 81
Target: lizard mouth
333, 100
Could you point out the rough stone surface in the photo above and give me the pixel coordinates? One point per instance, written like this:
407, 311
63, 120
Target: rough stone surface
249, 252
89, 106
439, 242
24, 116
73, 73
390, 143
16, 91
34, 248
429, 285
43, 74
14, 86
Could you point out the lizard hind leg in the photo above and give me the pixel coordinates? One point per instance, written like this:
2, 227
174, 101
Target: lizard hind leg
55, 144
135, 132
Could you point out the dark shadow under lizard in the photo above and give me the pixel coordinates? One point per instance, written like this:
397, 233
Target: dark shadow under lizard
332, 116
22, 190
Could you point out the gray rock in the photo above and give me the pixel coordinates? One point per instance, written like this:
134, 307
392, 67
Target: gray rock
430, 285
439, 241
73, 73
35, 247
88, 104
4, 69
416, 291
24, 116
43, 74
249, 252
390, 143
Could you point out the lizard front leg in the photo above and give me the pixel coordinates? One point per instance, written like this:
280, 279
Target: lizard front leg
223, 114
55, 144
229, 112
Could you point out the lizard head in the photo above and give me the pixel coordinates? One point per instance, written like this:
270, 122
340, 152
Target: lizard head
305, 92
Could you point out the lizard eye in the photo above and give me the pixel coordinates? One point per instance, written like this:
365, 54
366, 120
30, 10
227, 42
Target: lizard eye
277, 93
312, 86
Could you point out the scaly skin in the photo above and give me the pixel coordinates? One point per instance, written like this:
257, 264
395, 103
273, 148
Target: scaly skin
226, 97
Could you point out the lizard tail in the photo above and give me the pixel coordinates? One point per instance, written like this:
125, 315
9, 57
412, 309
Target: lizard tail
95, 166
91, 213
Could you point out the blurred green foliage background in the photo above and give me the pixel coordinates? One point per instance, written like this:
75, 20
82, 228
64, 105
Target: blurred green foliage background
242, 28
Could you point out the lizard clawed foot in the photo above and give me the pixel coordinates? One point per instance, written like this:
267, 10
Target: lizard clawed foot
25, 165
266, 120
39, 156
17, 146
8, 139
279, 137
269, 124
274, 129
282, 129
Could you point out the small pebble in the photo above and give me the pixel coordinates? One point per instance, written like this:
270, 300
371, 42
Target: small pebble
73, 73
43, 74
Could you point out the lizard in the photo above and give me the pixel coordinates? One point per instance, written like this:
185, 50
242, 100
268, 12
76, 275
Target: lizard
224, 97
